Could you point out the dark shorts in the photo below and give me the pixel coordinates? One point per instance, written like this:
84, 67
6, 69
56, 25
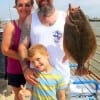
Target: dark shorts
16, 80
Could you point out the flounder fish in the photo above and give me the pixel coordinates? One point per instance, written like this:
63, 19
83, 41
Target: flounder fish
79, 40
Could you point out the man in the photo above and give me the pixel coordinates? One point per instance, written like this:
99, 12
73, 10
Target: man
45, 26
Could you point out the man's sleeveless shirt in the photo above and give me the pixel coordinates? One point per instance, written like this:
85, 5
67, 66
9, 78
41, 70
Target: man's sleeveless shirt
52, 38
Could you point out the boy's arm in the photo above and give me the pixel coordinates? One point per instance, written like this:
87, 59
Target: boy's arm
61, 88
61, 95
25, 93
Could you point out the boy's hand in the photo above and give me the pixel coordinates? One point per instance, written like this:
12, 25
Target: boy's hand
24, 94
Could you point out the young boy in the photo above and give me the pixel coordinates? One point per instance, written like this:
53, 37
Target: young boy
51, 84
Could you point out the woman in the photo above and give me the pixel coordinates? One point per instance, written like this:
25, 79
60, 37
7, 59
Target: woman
10, 42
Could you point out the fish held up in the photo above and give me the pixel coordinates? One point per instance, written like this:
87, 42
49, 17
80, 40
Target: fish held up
79, 40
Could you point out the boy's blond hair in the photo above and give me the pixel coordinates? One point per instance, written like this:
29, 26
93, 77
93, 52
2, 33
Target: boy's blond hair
39, 48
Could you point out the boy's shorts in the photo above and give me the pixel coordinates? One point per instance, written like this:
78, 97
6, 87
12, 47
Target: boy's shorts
16, 80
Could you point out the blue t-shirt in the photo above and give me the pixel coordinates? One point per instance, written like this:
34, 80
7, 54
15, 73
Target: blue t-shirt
50, 84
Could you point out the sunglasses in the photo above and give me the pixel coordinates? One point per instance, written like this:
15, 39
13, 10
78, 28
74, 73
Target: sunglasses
24, 5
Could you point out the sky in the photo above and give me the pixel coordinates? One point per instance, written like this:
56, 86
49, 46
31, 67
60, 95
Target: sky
90, 7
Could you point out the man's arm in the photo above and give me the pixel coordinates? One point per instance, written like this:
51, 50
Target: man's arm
24, 44
29, 74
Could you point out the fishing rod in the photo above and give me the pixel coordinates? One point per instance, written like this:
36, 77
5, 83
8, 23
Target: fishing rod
10, 13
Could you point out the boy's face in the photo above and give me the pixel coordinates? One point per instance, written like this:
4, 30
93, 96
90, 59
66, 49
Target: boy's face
40, 61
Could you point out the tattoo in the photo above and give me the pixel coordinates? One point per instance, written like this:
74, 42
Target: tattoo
25, 34
24, 39
25, 64
23, 56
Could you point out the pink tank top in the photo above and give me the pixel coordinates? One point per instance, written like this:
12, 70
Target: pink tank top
13, 66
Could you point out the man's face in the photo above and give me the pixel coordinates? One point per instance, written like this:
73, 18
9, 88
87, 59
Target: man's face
45, 6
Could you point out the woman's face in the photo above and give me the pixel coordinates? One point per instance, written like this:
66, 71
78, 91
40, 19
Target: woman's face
24, 8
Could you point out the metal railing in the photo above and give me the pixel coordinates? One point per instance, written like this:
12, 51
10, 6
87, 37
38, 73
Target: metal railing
94, 65
2, 61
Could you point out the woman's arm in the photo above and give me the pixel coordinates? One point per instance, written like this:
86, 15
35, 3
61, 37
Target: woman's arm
7, 41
